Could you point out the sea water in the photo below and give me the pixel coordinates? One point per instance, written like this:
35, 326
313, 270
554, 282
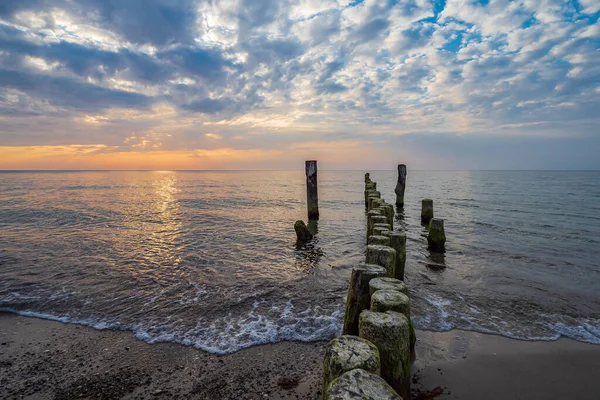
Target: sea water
209, 259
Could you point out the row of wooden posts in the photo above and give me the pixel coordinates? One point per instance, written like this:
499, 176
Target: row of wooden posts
372, 358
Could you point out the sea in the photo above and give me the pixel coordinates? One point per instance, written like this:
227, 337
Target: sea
209, 258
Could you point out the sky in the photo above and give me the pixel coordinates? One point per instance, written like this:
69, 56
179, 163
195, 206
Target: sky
267, 84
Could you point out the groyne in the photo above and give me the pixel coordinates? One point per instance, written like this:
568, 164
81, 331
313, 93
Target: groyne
378, 339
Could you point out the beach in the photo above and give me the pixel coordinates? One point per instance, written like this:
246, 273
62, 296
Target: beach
42, 359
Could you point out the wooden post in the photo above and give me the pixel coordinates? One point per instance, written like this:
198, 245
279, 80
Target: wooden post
401, 185
426, 210
312, 197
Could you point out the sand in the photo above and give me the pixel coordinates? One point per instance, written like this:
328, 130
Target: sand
42, 359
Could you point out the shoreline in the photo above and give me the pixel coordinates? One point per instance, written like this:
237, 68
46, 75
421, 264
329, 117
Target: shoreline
46, 359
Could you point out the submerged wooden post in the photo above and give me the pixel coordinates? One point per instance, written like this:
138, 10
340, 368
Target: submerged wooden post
312, 197
401, 185
390, 332
303, 234
426, 210
436, 238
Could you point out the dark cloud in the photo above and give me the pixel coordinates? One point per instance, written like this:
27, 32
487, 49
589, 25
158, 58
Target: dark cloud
264, 50
331, 87
252, 13
65, 92
159, 22
204, 63
81, 60
372, 29
208, 106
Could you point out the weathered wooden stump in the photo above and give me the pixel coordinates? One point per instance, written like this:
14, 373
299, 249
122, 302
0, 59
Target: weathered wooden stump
360, 385
384, 256
398, 243
358, 298
426, 210
345, 353
303, 234
390, 332
379, 240
312, 197
400, 185
436, 237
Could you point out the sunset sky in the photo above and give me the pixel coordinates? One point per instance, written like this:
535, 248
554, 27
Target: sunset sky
266, 84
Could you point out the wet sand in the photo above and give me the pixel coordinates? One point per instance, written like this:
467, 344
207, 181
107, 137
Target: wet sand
42, 359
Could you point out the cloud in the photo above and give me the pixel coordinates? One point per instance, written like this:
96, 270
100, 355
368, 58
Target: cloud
273, 75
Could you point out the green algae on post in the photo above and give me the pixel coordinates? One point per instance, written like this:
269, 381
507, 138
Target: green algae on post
358, 298
379, 240
390, 332
378, 229
436, 237
384, 256
370, 223
390, 300
303, 234
359, 384
345, 353
398, 243
385, 283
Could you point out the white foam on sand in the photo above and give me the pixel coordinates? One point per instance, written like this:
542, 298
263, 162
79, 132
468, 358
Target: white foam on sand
226, 334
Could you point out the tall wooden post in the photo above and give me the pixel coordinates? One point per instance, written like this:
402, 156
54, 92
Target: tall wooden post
312, 197
401, 185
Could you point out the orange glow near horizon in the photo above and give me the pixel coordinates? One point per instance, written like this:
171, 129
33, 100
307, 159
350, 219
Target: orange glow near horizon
103, 157
110, 158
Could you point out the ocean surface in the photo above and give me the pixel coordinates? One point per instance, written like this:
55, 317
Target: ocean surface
209, 259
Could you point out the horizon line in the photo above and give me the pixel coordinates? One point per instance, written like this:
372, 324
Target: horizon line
289, 170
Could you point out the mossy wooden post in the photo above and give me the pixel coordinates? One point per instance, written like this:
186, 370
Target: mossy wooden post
345, 353
390, 332
394, 300
398, 243
360, 384
372, 196
400, 185
378, 229
374, 220
385, 283
370, 223
303, 234
377, 203
370, 188
384, 256
368, 178
388, 211
426, 210
312, 197
379, 240
358, 298
436, 237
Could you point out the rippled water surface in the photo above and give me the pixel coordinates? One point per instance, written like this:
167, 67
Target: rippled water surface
209, 258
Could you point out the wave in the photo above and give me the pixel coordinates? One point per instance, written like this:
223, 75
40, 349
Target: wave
224, 335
